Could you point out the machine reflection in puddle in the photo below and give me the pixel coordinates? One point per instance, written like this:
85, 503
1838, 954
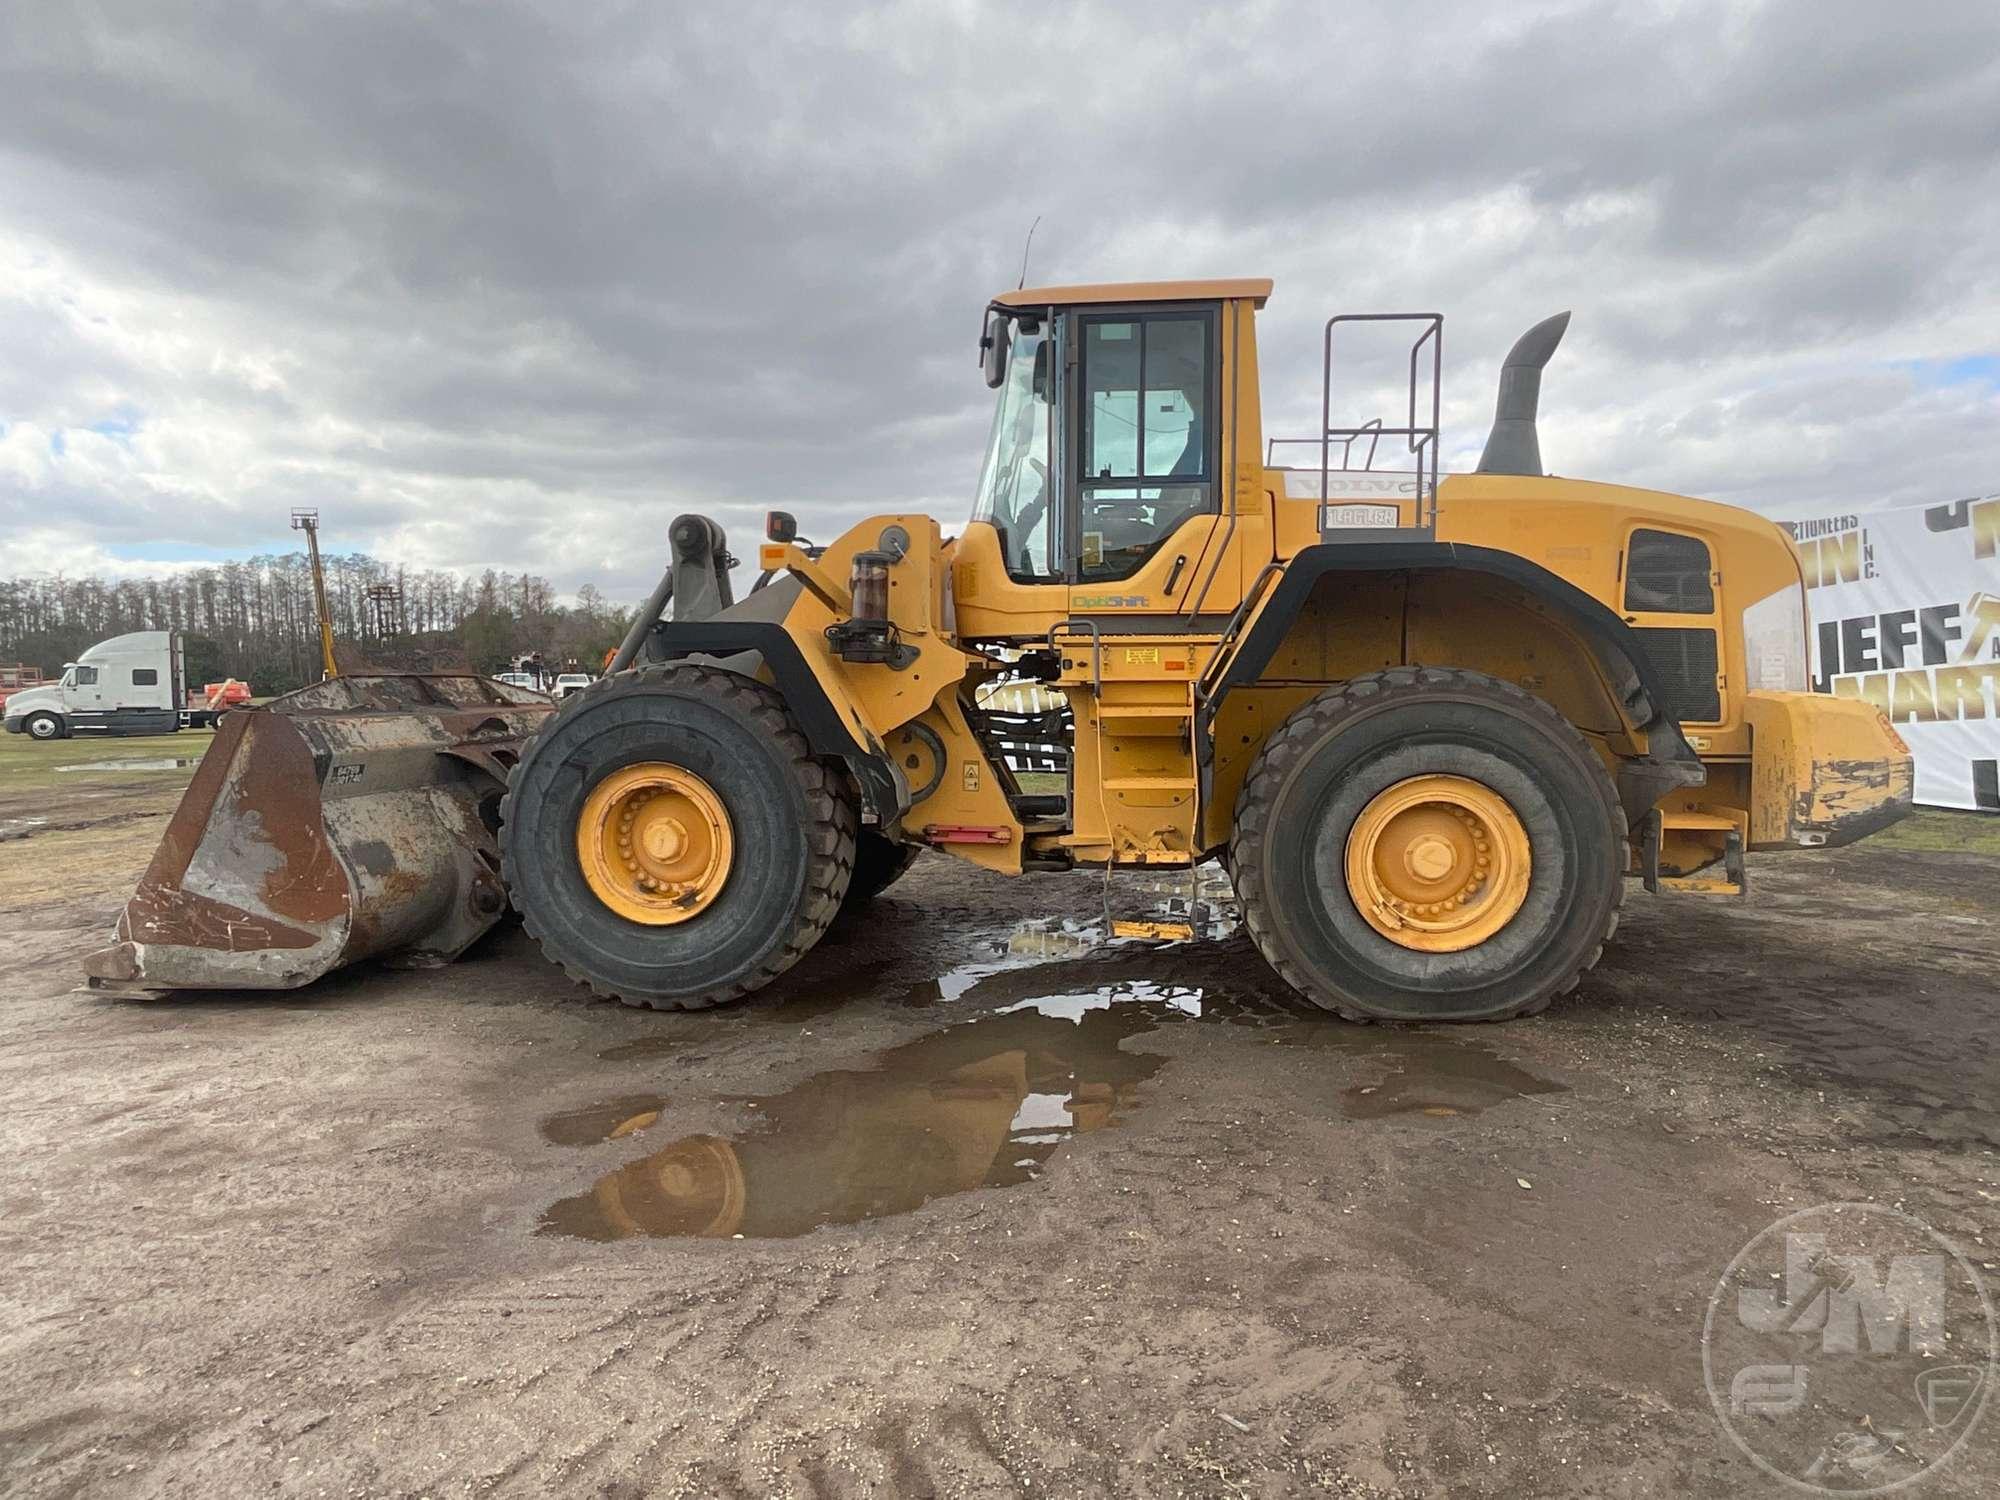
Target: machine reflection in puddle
987, 1101
981, 1104
612, 1120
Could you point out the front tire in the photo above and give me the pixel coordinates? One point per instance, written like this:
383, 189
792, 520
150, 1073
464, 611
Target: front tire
670, 841
1428, 844
879, 863
44, 726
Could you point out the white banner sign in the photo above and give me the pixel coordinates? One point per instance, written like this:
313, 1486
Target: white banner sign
1906, 613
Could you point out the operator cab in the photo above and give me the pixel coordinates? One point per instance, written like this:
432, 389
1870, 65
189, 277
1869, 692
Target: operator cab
1107, 443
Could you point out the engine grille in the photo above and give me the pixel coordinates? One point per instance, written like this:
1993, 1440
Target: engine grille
1685, 660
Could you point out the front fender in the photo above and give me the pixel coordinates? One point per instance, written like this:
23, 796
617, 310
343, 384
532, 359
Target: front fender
759, 648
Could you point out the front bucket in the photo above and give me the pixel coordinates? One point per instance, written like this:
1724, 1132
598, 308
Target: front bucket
354, 819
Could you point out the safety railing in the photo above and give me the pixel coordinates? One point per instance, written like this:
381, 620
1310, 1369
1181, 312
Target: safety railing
1345, 501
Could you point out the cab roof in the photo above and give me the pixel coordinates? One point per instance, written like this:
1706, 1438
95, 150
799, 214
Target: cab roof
1257, 288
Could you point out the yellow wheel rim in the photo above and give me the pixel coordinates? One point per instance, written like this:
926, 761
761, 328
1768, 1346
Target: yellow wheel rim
655, 843
693, 1186
1438, 863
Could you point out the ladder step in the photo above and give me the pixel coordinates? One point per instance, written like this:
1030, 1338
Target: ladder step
1173, 932
1143, 710
1730, 880
1706, 883
1697, 822
1149, 783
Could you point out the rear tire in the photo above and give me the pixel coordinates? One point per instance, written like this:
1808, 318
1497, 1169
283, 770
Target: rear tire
791, 830
1355, 749
44, 726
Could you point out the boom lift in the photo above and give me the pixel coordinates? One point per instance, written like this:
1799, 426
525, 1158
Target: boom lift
308, 522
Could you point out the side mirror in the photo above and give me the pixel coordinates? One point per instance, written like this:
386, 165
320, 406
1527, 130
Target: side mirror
993, 350
780, 526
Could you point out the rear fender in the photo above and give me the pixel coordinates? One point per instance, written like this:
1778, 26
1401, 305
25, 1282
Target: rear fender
1670, 760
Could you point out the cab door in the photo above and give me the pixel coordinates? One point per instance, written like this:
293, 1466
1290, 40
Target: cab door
83, 694
1143, 478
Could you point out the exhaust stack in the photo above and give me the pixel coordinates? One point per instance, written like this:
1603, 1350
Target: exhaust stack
1513, 447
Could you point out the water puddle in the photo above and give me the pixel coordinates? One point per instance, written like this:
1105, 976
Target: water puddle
157, 763
1046, 938
19, 828
1431, 1072
612, 1120
1032, 944
1034, 1056
982, 1104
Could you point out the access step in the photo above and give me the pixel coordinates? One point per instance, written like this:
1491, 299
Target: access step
1155, 721
1730, 880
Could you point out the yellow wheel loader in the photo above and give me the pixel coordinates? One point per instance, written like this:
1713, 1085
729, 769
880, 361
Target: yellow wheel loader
1431, 724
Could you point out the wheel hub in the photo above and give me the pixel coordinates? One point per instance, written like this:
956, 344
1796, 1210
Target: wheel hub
655, 843
1429, 857
1438, 863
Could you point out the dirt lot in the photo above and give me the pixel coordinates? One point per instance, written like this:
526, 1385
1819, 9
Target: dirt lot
968, 1205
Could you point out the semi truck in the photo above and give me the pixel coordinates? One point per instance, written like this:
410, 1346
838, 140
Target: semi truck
130, 684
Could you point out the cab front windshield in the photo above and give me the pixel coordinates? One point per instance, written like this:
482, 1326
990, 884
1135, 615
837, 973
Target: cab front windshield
1015, 494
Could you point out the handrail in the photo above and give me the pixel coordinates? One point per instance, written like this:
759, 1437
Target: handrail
1235, 622
1422, 441
1078, 627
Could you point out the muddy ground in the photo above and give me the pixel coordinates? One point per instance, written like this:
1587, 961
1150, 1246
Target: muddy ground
969, 1204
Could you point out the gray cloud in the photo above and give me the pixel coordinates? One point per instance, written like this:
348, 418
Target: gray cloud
507, 284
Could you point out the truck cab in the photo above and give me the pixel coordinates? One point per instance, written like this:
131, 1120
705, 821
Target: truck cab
130, 684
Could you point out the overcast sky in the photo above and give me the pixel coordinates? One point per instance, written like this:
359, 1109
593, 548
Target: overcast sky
513, 285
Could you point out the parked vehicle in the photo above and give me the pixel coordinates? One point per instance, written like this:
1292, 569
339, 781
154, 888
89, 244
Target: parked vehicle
207, 704
571, 682
17, 676
528, 680
130, 684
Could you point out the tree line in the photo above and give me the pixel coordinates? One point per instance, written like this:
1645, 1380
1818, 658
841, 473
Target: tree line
255, 620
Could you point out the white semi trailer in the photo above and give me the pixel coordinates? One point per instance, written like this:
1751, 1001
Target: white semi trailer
130, 684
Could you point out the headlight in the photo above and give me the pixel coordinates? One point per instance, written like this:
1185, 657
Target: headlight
1774, 642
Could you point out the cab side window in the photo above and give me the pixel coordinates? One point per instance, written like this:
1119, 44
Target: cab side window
86, 677
1146, 457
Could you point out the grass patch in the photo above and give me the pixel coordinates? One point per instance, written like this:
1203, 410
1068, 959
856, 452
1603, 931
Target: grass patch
1042, 782
28, 765
1937, 830
99, 863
